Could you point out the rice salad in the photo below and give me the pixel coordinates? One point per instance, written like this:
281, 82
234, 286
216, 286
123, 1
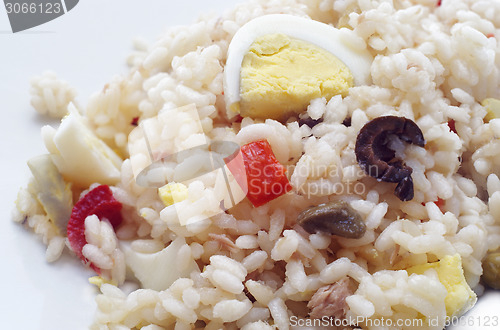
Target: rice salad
382, 202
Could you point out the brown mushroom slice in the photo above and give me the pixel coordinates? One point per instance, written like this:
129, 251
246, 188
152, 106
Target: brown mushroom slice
336, 218
377, 159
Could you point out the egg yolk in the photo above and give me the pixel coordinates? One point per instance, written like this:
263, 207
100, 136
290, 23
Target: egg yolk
281, 75
172, 193
492, 109
460, 297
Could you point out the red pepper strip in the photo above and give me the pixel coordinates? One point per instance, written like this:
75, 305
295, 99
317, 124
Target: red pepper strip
451, 124
265, 176
98, 201
439, 203
439, 3
238, 119
135, 121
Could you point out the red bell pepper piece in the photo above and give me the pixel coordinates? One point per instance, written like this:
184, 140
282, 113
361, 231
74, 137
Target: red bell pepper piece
98, 201
266, 179
135, 121
451, 125
439, 203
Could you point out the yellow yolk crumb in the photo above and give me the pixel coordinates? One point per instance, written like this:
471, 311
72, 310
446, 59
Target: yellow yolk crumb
460, 297
98, 281
492, 109
172, 193
281, 75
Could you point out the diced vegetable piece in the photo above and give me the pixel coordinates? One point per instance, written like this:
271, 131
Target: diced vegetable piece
81, 157
172, 193
265, 175
452, 126
492, 108
135, 121
51, 191
159, 270
441, 203
98, 201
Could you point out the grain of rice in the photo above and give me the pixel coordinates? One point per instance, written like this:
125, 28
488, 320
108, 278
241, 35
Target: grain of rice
226, 281
261, 292
232, 266
247, 242
284, 248
335, 270
296, 275
254, 261
54, 249
279, 313
254, 315
231, 310
259, 325
179, 310
319, 241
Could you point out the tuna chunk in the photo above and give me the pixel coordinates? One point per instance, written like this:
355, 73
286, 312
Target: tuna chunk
329, 300
224, 242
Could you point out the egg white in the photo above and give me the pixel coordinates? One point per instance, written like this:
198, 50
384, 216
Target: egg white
331, 39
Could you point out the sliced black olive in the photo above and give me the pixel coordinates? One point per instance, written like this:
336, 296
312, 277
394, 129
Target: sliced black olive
377, 159
347, 122
309, 121
336, 218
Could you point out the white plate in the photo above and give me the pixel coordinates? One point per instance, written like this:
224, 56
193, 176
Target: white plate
86, 47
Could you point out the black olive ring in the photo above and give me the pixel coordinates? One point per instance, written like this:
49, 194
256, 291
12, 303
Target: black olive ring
378, 160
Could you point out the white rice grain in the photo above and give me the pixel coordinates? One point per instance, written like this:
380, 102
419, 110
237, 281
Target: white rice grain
231, 310
335, 270
279, 312
254, 261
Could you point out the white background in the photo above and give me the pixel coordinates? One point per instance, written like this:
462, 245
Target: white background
86, 47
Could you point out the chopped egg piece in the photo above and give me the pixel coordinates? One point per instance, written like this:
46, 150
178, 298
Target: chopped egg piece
276, 64
281, 75
460, 297
492, 107
159, 270
51, 191
172, 193
98, 281
80, 156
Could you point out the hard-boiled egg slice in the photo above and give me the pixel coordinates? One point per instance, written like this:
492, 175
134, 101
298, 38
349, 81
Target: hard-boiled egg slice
460, 297
79, 154
277, 63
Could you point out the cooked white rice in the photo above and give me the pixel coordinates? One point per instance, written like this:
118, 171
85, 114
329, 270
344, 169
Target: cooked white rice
51, 95
432, 64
